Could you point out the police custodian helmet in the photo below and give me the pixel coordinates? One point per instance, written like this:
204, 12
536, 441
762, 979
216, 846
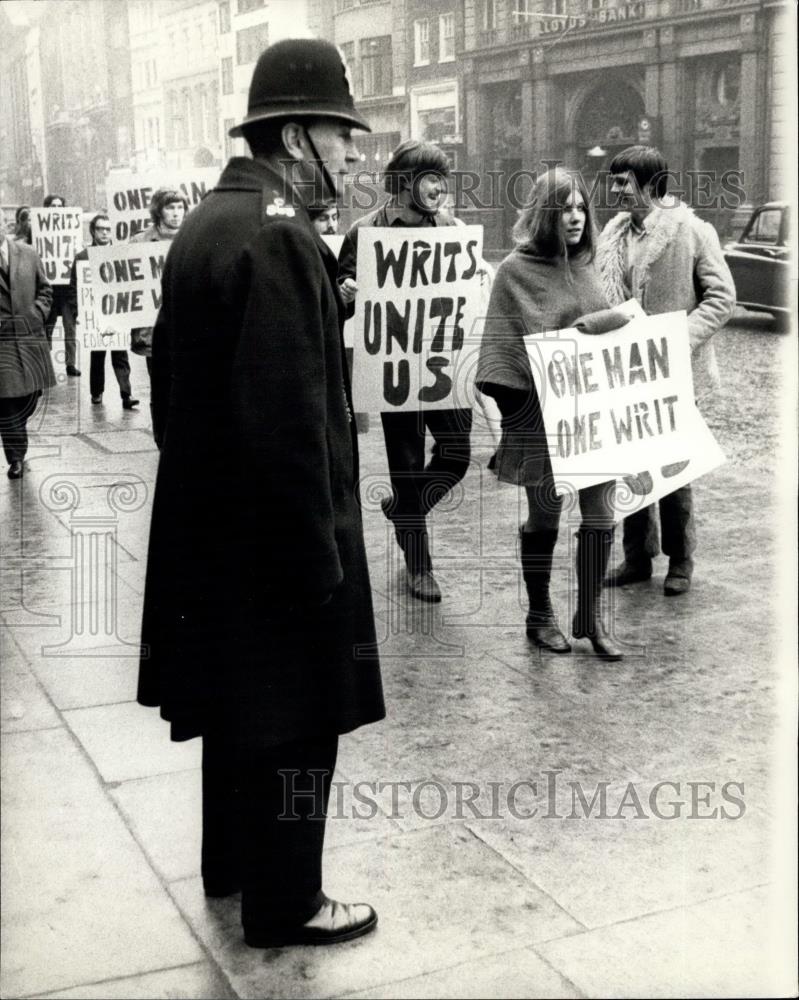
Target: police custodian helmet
300, 76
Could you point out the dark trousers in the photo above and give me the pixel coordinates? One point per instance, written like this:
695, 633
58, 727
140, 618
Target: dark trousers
61, 307
14, 414
264, 815
417, 487
121, 366
677, 529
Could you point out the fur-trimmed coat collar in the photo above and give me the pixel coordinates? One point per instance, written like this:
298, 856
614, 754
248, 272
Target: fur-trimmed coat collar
662, 226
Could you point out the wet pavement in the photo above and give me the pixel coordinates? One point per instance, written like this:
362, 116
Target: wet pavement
507, 820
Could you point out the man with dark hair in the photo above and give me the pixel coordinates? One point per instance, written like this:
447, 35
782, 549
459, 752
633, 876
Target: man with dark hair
324, 216
416, 180
61, 307
657, 251
100, 230
168, 208
258, 620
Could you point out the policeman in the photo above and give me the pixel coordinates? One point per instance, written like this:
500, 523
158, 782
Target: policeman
258, 632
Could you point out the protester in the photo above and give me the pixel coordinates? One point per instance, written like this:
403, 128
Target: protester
168, 209
100, 230
61, 307
415, 179
659, 252
26, 370
548, 283
325, 218
22, 227
257, 611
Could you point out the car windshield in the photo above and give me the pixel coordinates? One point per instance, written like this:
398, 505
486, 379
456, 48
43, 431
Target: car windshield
765, 228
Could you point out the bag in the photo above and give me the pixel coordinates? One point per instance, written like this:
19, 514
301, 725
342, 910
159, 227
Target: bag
141, 341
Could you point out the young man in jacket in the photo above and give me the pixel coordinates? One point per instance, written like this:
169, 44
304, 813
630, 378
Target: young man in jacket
258, 628
100, 230
657, 251
416, 181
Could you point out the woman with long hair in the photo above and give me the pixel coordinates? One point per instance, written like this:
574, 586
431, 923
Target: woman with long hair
548, 282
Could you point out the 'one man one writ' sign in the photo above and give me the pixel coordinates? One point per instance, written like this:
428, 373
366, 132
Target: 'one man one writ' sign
129, 195
418, 302
622, 402
57, 236
126, 283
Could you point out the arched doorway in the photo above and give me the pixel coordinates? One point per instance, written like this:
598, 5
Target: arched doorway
606, 121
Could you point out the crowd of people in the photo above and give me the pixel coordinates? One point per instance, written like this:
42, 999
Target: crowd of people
259, 635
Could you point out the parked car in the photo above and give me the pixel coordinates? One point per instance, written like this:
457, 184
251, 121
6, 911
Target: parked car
761, 261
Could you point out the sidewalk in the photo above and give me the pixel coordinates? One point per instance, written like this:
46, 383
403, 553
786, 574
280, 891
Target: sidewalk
100, 812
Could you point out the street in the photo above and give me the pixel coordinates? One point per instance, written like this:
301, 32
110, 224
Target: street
506, 820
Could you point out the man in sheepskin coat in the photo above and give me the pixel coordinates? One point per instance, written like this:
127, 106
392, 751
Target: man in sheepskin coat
659, 252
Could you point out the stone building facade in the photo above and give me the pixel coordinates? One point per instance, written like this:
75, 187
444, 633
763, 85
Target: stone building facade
577, 81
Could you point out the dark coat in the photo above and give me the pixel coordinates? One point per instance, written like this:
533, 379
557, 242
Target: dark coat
25, 365
256, 519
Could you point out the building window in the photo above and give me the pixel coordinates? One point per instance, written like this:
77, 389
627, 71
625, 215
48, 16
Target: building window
245, 6
376, 69
446, 38
347, 50
343, 5
228, 125
250, 43
727, 83
522, 9
224, 18
227, 75
596, 4
559, 7
489, 15
421, 42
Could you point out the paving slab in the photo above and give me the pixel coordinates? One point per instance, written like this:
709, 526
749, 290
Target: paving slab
163, 813
23, 703
80, 903
128, 741
432, 915
629, 862
513, 974
735, 946
201, 981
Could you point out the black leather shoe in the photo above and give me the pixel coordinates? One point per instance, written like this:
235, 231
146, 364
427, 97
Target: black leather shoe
628, 572
548, 636
72, 370
598, 637
678, 578
15, 470
333, 923
129, 404
424, 586
97, 399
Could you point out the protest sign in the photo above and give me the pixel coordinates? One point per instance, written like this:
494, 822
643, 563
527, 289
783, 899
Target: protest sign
622, 402
57, 236
95, 338
418, 300
126, 284
129, 195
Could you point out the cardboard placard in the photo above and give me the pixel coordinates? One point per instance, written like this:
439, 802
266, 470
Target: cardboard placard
126, 284
129, 195
57, 237
419, 298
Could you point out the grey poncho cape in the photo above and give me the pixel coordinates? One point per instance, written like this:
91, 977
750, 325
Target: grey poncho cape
530, 294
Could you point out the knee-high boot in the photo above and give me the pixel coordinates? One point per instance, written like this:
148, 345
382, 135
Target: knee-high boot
593, 553
536, 555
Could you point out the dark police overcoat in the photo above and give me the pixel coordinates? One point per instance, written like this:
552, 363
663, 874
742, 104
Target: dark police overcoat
256, 519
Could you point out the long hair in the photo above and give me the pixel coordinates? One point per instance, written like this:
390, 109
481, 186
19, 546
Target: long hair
538, 228
163, 197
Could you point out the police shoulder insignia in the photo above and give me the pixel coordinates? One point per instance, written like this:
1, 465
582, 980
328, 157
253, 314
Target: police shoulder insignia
278, 206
